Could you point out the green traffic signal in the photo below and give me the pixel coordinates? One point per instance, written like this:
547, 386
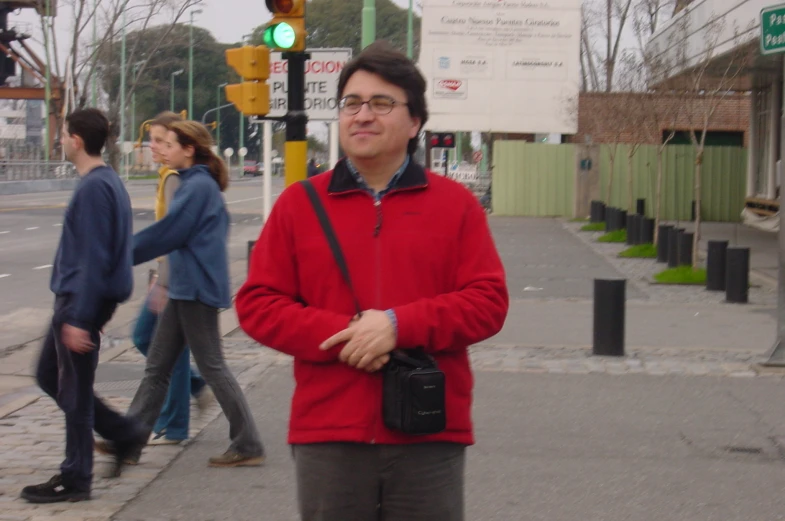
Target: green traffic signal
280, 36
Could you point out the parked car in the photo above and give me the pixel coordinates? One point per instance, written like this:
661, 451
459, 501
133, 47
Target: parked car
252, 168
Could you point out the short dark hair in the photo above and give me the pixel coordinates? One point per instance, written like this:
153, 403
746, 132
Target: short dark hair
165, 118
92, 126
394, 67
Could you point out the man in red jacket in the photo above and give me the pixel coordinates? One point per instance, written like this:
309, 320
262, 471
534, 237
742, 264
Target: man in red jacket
426, 274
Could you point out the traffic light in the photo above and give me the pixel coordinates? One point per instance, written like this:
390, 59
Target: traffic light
443, 140
252, 96
286, 31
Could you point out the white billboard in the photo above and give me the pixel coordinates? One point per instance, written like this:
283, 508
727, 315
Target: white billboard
502, 65
321, 83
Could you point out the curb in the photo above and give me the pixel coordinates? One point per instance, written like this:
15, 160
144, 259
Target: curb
228, 323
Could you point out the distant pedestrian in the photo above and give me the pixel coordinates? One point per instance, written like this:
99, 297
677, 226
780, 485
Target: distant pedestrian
91, 275
194, 234
427, 282
312, 168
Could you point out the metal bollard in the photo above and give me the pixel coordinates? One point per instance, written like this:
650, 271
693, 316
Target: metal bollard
685, 248
632, 229
662, 242
609, 303
610, 218
621, 218
673, 247
646, 231
640, 207
737, 275
715, 265
250, 249
597, 212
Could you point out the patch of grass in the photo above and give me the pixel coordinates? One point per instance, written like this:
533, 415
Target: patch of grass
614, 236
640, 251
593, 227
580, 220
149, 176
682, 275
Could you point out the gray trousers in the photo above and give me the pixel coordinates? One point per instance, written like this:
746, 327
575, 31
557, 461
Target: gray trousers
360, 482
189, 322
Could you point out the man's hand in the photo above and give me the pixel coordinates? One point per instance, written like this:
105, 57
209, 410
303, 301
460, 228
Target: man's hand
369, 341
76, 340
157, 299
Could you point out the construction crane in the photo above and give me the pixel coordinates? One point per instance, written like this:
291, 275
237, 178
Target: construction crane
16, 56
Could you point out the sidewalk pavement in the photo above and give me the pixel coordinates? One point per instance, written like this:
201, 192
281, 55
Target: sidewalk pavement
687, 426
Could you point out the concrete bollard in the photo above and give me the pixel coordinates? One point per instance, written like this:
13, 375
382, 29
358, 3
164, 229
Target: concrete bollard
663, 235
685, 248
646, 231
716, 265
632, 229
673, 246
609, 304
610, 218
737, 275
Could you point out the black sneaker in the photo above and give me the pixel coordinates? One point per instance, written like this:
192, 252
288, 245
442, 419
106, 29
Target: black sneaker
123, 452
53, 491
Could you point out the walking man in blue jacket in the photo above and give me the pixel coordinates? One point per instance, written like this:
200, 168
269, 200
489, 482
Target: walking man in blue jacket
92, 274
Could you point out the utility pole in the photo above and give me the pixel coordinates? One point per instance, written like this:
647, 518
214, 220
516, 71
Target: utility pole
48, 83
191, 65
94, 86
218, 118
368, 23
122, 102
296, 148
410, 32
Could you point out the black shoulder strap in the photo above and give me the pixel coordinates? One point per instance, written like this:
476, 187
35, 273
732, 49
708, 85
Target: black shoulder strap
324, 220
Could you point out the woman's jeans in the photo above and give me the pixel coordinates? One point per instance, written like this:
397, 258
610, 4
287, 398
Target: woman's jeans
185, 381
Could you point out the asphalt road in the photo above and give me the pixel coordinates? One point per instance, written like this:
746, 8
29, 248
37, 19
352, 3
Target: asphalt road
30, 226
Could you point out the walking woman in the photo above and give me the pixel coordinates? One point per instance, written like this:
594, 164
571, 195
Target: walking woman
194, 234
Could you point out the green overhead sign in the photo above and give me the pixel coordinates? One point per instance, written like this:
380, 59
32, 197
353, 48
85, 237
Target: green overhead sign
772, 29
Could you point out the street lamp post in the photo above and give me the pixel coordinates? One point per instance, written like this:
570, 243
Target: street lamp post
218, 118
171, 89
191, 65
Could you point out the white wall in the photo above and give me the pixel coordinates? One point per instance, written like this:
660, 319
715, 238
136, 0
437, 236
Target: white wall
737, 23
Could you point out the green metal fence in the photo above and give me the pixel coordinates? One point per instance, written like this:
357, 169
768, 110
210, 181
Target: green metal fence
539, 180
533, 179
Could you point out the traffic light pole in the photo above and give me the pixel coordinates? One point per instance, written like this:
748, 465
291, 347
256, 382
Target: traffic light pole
296, 148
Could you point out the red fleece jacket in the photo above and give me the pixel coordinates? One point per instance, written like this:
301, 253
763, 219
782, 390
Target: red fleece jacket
425, 251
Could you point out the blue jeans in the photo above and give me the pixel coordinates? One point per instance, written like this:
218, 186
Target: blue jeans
68, 378
185, 380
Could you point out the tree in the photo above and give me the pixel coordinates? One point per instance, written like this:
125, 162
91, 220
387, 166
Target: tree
658, 109
87, 61
165, 49
333, 23
708, 77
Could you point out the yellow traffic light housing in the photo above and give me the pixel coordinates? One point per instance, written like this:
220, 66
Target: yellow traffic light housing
252, 97
286, 31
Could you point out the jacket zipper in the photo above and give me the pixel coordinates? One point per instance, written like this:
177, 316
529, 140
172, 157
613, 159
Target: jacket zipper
377, 203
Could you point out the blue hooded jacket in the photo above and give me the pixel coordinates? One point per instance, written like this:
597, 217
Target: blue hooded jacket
194, 234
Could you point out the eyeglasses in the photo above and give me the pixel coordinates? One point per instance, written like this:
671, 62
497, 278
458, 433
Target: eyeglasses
380, 105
